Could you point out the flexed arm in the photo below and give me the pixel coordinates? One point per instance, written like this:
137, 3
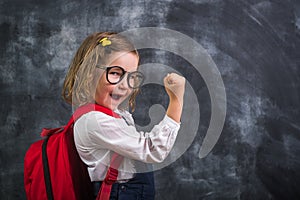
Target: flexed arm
175, 86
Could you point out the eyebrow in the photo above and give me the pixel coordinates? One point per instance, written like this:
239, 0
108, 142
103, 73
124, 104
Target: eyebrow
105, 67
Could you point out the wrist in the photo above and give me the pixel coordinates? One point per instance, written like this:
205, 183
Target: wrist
176, 100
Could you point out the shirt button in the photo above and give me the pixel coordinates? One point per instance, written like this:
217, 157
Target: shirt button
123, 188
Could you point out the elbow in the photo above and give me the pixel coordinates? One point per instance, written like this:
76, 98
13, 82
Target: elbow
156, 157
153, 154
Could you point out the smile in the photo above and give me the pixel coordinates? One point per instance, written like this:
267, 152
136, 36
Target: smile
116, 96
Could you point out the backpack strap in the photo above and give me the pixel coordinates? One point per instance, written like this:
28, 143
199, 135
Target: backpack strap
110, 178
76, 115
47, 177
112, 173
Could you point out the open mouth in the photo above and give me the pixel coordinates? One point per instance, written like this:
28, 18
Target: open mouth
115, 96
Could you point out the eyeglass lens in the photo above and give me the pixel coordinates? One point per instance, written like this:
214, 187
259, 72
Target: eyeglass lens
116, 74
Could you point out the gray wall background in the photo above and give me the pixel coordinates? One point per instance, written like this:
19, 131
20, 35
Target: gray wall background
254, 43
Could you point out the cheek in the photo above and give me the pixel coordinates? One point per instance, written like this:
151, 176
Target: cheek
101, 87
130, 92
128, 95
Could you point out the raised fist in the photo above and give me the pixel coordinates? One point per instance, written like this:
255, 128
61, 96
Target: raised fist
175, 86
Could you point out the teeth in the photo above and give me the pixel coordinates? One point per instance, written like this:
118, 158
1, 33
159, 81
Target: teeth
115, 96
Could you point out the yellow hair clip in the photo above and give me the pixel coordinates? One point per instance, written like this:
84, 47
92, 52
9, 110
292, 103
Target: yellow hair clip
105, 41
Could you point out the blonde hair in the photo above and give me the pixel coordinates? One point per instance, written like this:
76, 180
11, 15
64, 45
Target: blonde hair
82, 78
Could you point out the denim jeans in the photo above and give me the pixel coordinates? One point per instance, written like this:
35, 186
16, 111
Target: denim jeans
141, 187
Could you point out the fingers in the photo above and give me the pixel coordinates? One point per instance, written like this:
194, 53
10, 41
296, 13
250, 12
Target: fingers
174, 85
174, 79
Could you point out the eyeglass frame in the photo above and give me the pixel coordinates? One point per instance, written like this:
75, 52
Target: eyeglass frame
107, 68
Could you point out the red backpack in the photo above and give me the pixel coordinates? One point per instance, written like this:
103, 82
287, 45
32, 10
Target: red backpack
54, 170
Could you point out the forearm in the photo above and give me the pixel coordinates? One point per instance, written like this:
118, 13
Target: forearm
174, 110
174, 85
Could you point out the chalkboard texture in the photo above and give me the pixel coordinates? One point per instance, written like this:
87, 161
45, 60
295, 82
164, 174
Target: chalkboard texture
254, 43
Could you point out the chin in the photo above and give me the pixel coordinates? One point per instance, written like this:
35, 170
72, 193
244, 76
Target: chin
113, 106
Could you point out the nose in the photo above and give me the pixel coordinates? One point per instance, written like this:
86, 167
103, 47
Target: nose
123, 83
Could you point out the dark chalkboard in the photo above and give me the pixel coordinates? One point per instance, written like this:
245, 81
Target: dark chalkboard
254, 44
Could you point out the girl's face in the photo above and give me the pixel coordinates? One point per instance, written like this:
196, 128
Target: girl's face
109, 95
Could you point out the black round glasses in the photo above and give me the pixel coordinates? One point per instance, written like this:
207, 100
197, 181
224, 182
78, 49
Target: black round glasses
115, 74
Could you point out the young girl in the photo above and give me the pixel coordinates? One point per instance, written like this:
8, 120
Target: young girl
105, 71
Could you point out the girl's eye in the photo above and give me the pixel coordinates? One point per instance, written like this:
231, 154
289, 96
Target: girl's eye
115, 73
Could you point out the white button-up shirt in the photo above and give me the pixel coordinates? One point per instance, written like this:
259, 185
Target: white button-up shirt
97, 135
